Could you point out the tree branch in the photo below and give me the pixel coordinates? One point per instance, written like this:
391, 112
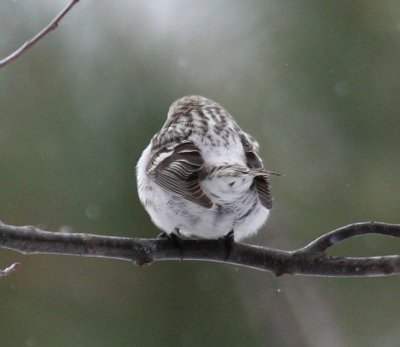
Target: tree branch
51, 26
309, 260
9, 269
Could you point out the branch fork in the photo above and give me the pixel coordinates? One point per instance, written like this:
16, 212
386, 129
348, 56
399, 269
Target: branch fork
310, 260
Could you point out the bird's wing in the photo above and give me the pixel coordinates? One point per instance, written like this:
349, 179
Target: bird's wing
261, 181
177, 168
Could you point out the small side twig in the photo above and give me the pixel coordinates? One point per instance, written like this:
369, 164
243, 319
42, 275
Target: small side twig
8, 270
327, 240
310, 260
51, 26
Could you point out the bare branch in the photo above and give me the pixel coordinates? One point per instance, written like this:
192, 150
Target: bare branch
9, 269
310, 260
322, 243
51, 26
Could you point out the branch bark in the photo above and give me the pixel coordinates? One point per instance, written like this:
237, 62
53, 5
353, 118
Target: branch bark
51, 26
310, 260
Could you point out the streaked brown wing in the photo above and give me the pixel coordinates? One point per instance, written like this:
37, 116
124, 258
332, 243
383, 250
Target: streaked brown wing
177, 168
262, 181
264, 194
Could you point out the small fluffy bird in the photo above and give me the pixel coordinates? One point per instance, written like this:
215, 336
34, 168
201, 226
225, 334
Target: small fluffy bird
201, 175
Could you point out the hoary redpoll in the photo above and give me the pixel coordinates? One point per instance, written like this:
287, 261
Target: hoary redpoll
201, 175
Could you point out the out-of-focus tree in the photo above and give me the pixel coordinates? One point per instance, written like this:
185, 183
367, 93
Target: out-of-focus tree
316, 82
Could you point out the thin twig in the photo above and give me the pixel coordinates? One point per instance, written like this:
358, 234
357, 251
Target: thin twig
322, 243
8, 270
51, 26
310, 260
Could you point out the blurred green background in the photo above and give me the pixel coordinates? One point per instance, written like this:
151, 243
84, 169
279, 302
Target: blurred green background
316, 82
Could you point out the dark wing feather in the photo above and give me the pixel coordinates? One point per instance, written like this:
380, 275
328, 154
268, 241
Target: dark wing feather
177, 168
261, 181
264, 194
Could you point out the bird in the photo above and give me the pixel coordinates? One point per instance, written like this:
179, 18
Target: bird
201, 176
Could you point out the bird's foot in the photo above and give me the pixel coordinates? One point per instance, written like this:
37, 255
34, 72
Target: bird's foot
229, 242
175, 239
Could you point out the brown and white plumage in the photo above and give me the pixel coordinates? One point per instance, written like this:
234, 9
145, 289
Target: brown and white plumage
202, 175
177, 168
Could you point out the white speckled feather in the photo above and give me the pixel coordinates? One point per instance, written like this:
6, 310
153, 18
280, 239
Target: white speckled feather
201, 174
